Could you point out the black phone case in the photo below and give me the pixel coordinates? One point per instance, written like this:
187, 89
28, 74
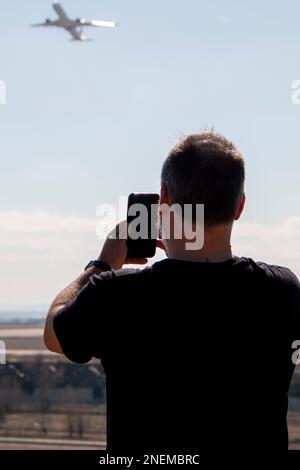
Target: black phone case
142, 248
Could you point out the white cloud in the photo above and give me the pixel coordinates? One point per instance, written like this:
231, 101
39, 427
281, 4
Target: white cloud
277, 244
40, 252
42, 222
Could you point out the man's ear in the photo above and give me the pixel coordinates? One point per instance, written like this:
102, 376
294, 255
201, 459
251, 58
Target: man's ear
241, 207
164, 195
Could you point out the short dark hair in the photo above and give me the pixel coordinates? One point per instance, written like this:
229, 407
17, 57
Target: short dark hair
206, 168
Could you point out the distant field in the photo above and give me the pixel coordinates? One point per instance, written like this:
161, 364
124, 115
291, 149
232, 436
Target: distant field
294, 430
64, 426
17, 332
76, 424
21, 325
19, 337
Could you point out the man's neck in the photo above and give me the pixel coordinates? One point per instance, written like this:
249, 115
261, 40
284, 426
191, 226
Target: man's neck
216, 248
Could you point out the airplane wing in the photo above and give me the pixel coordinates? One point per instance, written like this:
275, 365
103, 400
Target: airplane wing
46, 23
98, 23
77, 36
60, 11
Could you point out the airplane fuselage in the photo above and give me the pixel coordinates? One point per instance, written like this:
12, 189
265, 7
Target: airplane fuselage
65, 23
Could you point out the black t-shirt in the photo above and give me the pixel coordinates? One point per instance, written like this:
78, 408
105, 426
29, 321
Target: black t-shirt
198, 356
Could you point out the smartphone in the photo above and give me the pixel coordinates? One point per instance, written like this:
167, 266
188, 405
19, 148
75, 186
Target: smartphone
142, 220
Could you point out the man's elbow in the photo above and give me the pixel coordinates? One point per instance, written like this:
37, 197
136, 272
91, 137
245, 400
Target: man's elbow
47, 341
50, 339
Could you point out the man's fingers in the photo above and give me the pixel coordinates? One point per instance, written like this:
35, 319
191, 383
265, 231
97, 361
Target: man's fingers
136, 261
160, 244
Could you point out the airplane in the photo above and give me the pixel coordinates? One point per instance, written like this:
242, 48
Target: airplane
74, 27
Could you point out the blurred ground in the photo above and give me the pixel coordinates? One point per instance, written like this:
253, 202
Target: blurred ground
46, 402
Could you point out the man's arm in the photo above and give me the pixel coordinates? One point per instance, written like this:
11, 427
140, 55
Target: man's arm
63, 298
114, 254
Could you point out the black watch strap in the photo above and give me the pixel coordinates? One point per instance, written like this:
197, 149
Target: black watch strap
98, 264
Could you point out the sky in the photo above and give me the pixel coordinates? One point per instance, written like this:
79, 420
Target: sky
85, 123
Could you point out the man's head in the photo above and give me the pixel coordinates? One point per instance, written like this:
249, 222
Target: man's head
206, 168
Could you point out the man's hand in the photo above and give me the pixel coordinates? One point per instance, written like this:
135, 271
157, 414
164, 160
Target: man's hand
114, 251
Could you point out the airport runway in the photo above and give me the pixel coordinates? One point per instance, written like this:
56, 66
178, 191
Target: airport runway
21, 333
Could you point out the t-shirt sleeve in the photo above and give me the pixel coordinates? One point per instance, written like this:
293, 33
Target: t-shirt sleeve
291, 289
81, 326
286, 283
294, 299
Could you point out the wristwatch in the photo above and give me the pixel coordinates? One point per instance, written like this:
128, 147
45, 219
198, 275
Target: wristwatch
98, 264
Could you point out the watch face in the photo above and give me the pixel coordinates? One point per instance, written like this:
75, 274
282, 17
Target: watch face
98, 264
102, 265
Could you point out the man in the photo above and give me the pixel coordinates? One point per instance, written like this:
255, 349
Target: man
197, 348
